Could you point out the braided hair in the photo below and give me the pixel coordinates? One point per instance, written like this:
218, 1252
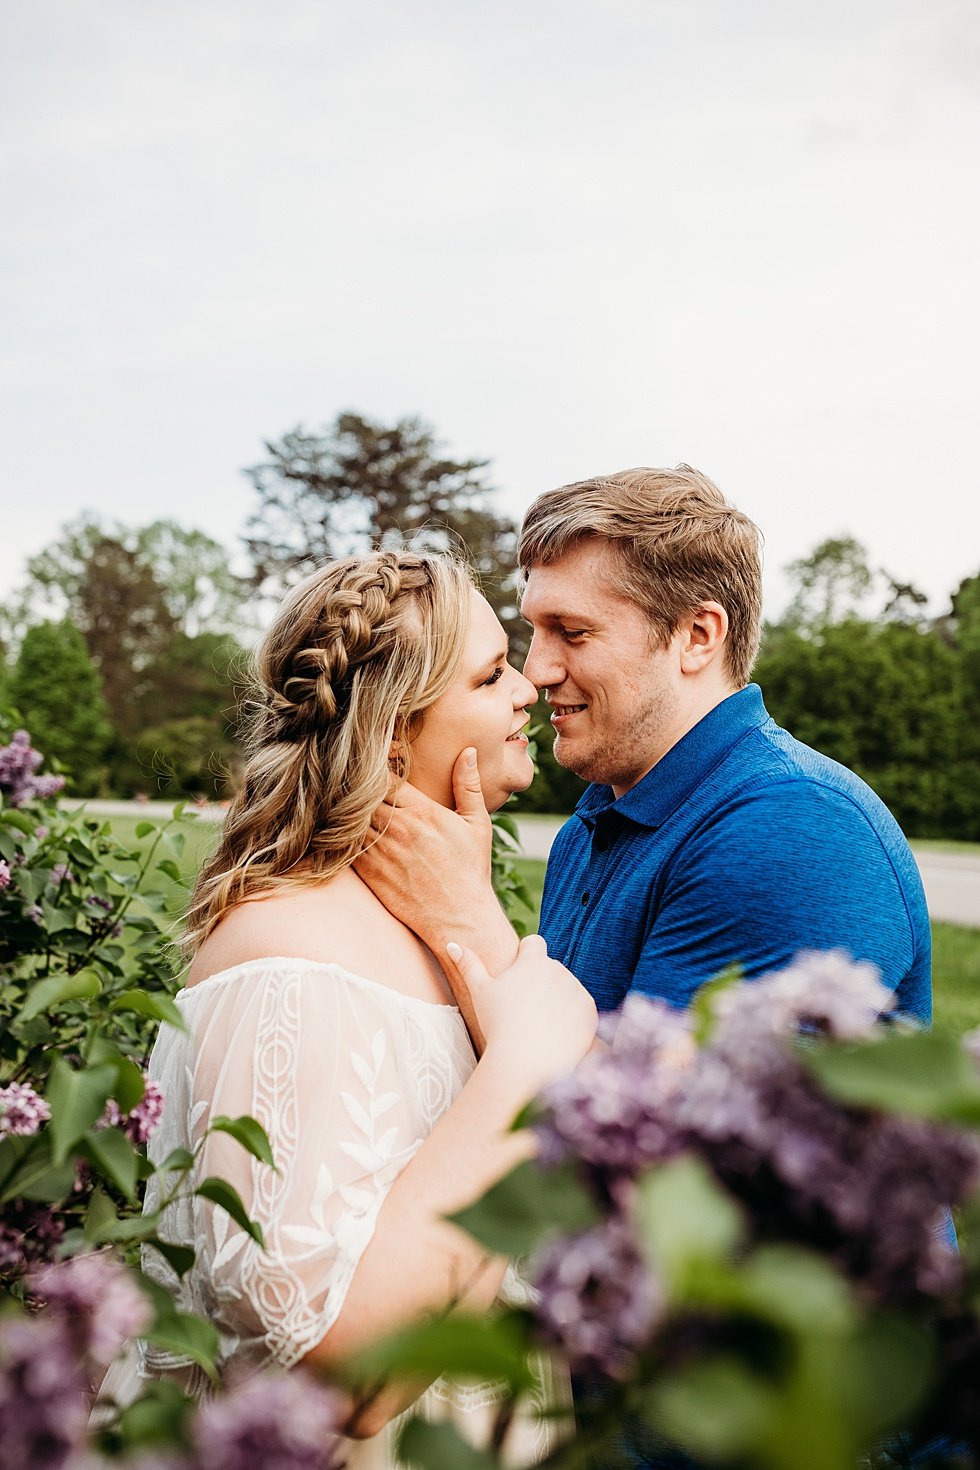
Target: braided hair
355, 656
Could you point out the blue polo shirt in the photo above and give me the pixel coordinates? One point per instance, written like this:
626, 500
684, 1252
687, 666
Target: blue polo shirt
740, 846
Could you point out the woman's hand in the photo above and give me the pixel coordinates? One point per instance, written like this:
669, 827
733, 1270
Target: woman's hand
537, 1021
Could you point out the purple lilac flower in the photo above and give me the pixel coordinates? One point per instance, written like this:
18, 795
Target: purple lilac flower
62, 873
597, 1298
96, 901
145, 1117
271, 1422
22, 1111
29, 1233
824, 992
34, 912
616, 1110
140, 1123
98, 1301
43, 1413
869, 1189
18, 763
5, 876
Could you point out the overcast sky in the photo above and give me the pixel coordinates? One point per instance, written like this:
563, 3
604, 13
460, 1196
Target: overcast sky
575, 236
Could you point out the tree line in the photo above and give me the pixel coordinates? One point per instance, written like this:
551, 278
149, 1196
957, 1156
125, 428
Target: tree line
125, 651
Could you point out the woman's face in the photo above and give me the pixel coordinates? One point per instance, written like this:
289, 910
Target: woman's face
485, 707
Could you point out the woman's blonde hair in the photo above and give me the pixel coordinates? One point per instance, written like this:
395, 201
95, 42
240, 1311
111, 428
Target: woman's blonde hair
356, 654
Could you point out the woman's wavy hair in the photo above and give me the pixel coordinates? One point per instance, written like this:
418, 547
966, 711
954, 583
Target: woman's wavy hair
356, 655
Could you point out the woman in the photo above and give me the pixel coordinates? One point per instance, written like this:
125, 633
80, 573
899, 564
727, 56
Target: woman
309, 1006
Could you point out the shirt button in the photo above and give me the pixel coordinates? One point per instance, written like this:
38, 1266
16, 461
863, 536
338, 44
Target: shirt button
585, 899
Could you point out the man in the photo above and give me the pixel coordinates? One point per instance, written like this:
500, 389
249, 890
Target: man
708, 836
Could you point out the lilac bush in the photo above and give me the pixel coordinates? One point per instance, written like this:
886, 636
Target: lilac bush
272, 1422
19, 781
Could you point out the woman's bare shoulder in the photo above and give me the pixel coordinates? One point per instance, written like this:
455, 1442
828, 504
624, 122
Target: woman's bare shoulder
336, 922
296, 922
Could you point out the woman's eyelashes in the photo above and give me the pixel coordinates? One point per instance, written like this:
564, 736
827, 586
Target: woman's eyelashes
497, 674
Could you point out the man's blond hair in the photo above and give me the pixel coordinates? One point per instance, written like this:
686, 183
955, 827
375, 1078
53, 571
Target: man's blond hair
680, 545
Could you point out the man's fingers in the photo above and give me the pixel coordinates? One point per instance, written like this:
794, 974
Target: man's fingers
467, 791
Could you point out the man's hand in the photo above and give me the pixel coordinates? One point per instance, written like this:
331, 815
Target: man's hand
430, 867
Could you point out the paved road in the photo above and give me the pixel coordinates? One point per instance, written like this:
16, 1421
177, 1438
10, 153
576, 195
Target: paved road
951, 879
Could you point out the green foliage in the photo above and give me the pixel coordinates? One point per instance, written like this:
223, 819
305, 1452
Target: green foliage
515, 1215
152, 605
56, 687
831, 584
890, 701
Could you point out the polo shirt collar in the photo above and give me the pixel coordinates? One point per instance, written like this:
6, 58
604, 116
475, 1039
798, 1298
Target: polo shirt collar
677, 774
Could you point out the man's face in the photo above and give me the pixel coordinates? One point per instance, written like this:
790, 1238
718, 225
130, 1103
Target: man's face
614, 696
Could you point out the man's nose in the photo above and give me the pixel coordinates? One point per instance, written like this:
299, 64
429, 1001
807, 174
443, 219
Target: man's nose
541, 666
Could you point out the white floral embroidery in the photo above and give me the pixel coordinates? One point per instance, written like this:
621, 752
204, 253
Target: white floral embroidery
348, 1078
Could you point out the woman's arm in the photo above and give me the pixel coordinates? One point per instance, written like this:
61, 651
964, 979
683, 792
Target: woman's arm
539, 1022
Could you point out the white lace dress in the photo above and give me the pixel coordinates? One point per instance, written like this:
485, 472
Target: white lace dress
348, 1078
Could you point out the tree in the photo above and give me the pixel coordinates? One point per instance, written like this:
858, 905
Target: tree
831, 584
55, 689
202, 592
361, 484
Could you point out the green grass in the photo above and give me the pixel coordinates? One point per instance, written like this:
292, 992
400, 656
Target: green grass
946, 844
956, 978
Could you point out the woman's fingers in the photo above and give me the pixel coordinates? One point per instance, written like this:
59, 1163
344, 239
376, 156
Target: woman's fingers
469, 965
535, 946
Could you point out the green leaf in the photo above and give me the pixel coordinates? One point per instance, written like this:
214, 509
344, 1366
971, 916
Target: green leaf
220, 1192
133, 1227
158, 1417
179, 1257
37, 1178
188, 1337
921, 1073
168, 867
439, 1447
143, 829
797, 1290
129, 1085
250, 1134
76, 1100
179, 1158
716, 1408
101, 1213
152, 1003
684, 1217
527, 1205
46, 995
702, 1007
114, 1156
473, 1347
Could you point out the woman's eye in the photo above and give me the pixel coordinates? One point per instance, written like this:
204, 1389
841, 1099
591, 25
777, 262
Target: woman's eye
497, 674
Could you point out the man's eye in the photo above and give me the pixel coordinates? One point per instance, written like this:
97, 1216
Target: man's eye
497, 674
571, 634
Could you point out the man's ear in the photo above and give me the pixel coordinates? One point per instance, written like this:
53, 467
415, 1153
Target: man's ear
704, 632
